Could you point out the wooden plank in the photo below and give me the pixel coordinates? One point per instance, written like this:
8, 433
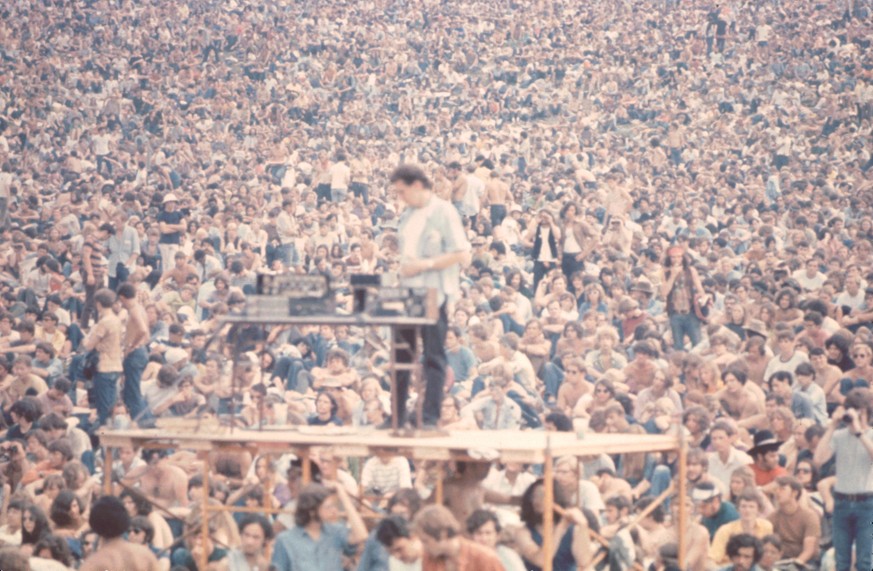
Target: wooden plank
515, 446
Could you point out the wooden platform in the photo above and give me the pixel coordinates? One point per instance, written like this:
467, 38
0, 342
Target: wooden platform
527, 446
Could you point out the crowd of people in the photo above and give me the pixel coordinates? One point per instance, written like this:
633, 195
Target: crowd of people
669, 210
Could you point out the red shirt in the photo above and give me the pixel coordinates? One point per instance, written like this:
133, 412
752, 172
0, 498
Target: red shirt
762, 477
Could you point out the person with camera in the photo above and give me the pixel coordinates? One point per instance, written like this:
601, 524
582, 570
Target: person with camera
849, 438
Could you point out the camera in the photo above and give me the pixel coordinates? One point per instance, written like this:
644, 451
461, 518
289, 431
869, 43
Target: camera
848, 418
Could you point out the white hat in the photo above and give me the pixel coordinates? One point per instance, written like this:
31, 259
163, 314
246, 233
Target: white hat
170, 198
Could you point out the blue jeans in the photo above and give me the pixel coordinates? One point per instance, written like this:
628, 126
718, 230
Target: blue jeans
851, 524
105, 394
288, 255
361, 190
682, 324
134, 364
339, 194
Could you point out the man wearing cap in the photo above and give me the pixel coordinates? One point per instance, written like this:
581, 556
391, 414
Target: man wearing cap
171, 223
714, 512
765, 453
433, 249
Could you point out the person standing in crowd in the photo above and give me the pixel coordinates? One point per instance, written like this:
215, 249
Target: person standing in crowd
106, 338
849, 438
683, 291
434, 249
136, 338
171, 222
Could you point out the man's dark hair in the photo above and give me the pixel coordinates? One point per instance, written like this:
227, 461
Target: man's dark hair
479, 518
408, 497
104, 297
257, 519
311, 498
108, 518
52, 421
860, 399
561, 421
143, 523
618, 502
742, 541
127, 290
657, 513
784, 376
62, 384
813, 317
46, 348
62, 445
57, 546
805, 369
392, 528
28, 408
410, 174
60, 508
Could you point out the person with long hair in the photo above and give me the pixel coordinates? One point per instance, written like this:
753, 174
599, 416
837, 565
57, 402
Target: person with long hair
67, 514
316, 524
571, 531
682, 289
34, 526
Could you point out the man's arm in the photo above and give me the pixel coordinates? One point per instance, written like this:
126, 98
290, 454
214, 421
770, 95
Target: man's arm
357, 529
93, 338
810, 548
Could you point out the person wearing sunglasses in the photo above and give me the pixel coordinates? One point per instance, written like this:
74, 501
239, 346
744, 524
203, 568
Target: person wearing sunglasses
110, 521
142, 532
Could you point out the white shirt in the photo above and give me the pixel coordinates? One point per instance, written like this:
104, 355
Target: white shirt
5, 184
101, 145
722, 471
386, 477
340, 174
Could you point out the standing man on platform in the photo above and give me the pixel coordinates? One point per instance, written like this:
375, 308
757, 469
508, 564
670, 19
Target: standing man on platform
433, 249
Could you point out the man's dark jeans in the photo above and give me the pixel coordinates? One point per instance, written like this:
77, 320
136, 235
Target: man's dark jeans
433, 339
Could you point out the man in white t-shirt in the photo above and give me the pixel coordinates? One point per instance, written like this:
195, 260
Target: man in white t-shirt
810, 277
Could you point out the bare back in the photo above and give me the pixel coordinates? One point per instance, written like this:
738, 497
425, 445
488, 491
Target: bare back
119, 555
137, 330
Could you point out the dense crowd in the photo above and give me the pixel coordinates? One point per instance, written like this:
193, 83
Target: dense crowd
670, 211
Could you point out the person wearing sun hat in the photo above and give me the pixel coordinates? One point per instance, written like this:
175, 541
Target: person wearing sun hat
765, 453
171, 223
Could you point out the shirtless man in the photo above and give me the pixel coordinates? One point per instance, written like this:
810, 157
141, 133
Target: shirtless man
497, 194
136, 357
110, 521
160, 481
178, 274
